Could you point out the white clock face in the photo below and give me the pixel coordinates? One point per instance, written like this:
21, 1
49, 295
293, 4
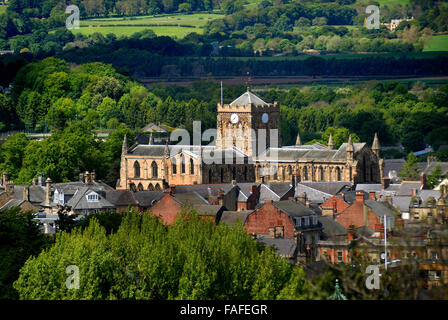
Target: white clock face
234, 118
265, 118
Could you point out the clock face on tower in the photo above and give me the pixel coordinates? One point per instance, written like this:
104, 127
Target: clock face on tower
234, 118
265, 118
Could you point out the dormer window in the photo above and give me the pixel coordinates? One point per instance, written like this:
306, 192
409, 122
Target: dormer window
92, 197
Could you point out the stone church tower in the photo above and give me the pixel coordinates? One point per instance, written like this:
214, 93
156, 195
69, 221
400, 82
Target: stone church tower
247, 123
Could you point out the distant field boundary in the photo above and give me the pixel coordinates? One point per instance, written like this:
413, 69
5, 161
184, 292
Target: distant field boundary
288, 80
142, 25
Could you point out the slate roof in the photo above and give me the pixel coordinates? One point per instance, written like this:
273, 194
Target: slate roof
152, 127
393, 165
274, 191
315, 152
402, 203
328, 187
293, 208
350, 196
367, 187
79, 201
283, 247
232, 217
12, 203
246, 98
36, 193
207, 209
381, 209
407, 186
205, 190
190, 198
244, 190
147, 199
312, 194
331, 228
121, 198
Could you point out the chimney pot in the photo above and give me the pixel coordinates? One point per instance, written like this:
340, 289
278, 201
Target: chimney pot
360, 196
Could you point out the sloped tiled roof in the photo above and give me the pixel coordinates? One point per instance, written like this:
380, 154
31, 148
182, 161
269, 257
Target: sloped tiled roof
407, 186
312, 194
232, 217
147, 199
328, 187
331, 228
121, 198
293, 208
79, 201
246, 98
283, 247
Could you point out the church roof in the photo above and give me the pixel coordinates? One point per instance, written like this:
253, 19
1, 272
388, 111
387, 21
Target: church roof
246, 98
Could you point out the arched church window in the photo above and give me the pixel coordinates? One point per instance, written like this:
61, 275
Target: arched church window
305, 173
136, 169
174, 165
182, 164
338, 173
191, 166
154, 169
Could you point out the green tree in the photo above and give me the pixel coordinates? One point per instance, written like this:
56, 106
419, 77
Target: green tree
410, 170
435, 177
20, 238
191, 259
12, 152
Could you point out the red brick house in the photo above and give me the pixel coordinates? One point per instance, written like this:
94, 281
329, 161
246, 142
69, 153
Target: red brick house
336, 204
366, 213
284, 219
171, 205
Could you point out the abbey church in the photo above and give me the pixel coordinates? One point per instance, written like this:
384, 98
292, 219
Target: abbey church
241, 126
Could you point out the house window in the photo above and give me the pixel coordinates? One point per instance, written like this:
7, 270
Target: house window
297, 222
339, 256
93, 197
306, 221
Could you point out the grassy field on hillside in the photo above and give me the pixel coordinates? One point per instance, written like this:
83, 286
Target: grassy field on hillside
178, 25
437, 43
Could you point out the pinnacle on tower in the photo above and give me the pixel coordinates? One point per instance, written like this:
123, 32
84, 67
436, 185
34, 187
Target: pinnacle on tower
298, 140
376, 143
167, 150
124, 148
330, 142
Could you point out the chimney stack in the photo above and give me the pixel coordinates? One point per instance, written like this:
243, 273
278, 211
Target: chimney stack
172, 190
26, 193
93, 176
87, 177
34, 181
372, 195
4, 179
360, 196
47, 191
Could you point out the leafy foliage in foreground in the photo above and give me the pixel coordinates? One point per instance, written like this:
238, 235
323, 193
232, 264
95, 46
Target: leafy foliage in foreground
192, 259
20, 237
